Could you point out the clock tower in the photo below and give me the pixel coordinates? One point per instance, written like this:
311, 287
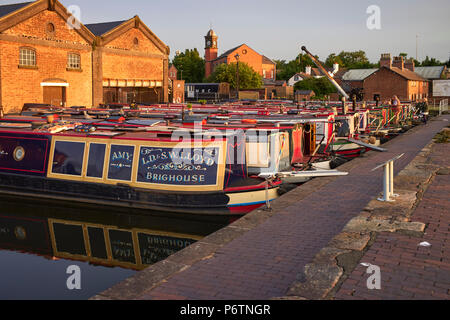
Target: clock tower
210, 51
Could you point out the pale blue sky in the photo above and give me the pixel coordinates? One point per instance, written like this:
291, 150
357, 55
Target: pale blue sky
278, 28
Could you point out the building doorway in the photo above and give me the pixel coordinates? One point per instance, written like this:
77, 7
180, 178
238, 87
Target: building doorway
55, 94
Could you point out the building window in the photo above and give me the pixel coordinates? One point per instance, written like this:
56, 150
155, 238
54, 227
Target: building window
27, 57
74, 61
50, 29
136, 41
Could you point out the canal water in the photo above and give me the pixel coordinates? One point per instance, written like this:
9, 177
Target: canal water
67, 251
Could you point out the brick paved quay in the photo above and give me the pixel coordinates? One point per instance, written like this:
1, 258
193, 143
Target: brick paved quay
269, 251
410, 271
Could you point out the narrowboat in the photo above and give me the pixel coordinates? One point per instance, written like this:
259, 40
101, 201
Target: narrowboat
137, 167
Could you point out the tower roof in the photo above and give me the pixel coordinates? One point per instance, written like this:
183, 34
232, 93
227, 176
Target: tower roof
211, 33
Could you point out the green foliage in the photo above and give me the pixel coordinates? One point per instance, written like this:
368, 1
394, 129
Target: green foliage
287, 69
350, 60
320, 86
190, 65
431, 62
202, 102
332, 59
248, 78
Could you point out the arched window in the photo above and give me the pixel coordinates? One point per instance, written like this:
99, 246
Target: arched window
27, 57
50, 28
73, 61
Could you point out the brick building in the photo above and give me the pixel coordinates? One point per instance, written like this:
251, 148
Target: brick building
42, 60
260, 63
395, 77
303, 95
176, 87
173, 72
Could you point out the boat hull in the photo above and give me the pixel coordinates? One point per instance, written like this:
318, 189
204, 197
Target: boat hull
238, 202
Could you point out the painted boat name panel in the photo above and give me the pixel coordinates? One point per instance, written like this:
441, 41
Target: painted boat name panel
178, 167
121, 162
23, 155
154, 248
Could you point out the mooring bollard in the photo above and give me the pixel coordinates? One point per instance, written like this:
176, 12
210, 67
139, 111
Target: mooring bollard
388, 179
269, 178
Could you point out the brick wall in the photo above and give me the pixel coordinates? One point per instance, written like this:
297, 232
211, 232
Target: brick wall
117, 66
131, 64
270, 71
20, 86
387, 84
251, 57
210, 55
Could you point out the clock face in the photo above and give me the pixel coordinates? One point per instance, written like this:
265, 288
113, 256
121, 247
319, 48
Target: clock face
208, 43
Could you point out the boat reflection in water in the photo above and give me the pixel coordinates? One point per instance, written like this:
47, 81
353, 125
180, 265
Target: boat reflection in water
98, 239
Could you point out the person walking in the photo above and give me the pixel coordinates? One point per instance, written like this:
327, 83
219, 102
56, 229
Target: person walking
425, 110
396, 108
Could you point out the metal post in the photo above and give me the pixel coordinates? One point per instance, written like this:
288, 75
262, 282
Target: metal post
237, 56
386, 184
388, 179
268, 208
391, 178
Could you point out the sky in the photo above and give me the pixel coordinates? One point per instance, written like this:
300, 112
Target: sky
278, 28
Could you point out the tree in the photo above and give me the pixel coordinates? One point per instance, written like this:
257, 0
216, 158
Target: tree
190, 65
320, 86
350, 60
248, 78
431, 62
287, 69
332, 59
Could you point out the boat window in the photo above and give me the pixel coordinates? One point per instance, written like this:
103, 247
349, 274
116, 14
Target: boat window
68, 158
69, 238
96, 160
122, 246
120, 162
97, 243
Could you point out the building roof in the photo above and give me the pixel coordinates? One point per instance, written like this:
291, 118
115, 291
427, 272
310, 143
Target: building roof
407, 74
268, 60
316, 72
430, 72
271, 82
228, 52
101, 28
357, 74
9, 8
303, 75
304, 92
211, 33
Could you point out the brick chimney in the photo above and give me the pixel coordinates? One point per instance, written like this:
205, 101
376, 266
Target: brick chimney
385, 60
308, 70
409, 64
398, 63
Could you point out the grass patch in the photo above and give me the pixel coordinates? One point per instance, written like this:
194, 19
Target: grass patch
443, 136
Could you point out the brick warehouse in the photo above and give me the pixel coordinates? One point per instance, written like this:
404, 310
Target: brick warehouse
44, 61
